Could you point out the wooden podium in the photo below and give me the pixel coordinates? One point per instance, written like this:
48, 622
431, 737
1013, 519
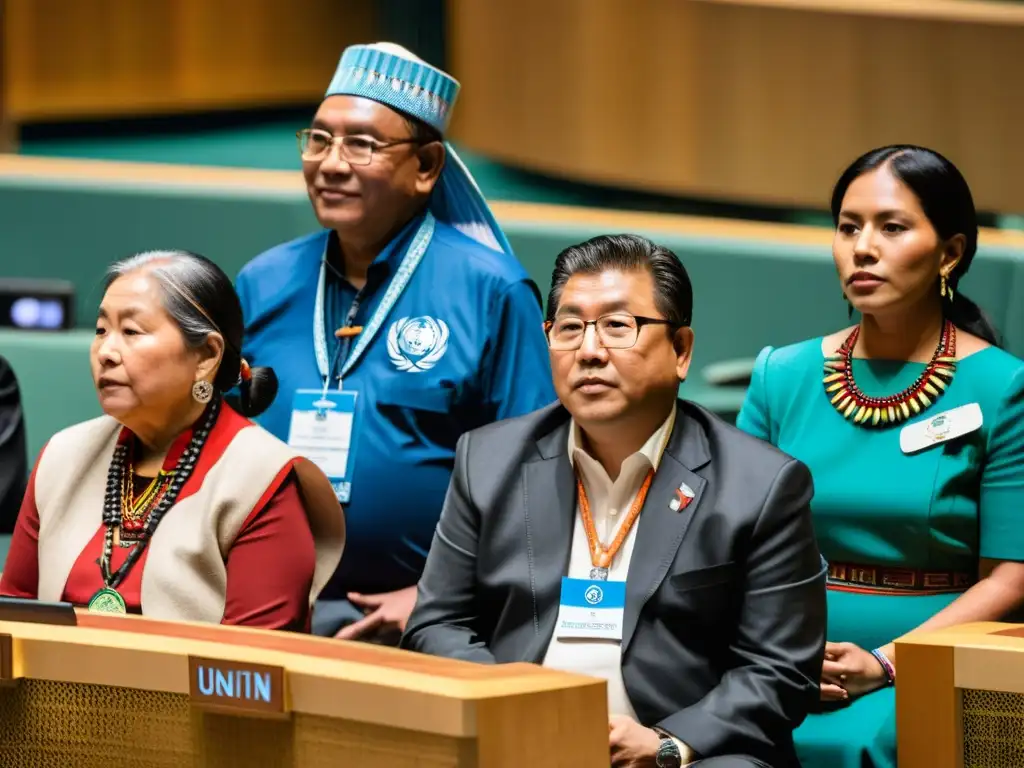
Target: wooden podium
960, 697
133, 692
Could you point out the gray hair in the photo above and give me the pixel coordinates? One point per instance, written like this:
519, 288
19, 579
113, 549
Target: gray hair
201, 300
172, 273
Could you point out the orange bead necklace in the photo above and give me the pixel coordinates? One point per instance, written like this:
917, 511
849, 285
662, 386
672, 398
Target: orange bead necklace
601, 557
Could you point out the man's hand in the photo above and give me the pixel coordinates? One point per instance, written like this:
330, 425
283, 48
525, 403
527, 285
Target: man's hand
849, 671
630, 744
386, 612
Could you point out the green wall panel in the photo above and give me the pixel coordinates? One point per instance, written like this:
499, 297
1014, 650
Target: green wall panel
747, 294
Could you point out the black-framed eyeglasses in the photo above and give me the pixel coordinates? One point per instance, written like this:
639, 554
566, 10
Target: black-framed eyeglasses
617, 330
315, 144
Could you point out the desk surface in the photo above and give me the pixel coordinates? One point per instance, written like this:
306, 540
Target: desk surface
986, 656
942, 674
326, 677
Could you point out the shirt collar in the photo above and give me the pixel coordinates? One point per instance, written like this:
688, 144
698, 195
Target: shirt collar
181, 442
389, 257
652, 450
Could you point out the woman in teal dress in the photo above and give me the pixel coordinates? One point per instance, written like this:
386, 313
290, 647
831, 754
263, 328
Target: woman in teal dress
912, 424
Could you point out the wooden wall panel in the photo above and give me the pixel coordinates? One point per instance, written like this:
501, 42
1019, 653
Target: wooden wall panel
106, 58
7, 137
760, 101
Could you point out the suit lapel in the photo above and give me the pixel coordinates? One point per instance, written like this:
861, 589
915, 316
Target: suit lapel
549, 502
661, 530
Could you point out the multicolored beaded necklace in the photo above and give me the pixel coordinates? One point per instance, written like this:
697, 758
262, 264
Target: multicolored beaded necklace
135, 511
138, 522
847, 398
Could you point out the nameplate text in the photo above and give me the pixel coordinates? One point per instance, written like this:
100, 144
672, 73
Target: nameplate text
232, 687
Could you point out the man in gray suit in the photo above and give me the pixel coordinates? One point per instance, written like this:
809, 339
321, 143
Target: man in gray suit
629, 535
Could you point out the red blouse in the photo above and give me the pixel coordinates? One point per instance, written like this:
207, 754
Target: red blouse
269, 567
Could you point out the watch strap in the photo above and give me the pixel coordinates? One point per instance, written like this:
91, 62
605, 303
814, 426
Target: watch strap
668, 755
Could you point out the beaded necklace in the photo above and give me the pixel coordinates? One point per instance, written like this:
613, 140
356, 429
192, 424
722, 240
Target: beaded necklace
847, 398
119, 499
135, 511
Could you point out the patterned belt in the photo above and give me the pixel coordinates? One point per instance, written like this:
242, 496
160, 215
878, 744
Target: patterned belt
897, 581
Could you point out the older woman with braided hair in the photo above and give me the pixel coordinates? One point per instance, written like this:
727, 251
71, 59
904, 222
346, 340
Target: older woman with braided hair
173, 504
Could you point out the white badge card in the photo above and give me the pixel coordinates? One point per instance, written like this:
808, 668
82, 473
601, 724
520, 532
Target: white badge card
322, 428
941, 427
591, 610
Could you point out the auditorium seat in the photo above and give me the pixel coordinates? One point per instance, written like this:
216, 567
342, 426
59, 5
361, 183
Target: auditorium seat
56, 384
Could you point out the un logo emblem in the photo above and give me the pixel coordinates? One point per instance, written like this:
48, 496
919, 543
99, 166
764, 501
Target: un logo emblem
938, 427
593, 595
416, 344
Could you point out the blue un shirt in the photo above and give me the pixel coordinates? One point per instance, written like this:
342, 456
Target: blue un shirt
462, 347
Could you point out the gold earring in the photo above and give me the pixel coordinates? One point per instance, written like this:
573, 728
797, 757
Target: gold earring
942, 286
202, 391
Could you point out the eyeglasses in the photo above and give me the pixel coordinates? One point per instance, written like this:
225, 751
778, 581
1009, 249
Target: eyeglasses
615, 331
315, 144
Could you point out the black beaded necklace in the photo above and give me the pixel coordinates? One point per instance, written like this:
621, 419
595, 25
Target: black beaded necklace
108, 600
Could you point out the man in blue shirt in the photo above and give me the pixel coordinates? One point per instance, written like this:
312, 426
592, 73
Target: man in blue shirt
404, 323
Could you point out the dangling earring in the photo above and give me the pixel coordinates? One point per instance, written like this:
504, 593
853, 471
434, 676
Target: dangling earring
202, 391
942, 286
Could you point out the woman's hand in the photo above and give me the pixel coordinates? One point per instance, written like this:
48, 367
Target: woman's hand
849, 671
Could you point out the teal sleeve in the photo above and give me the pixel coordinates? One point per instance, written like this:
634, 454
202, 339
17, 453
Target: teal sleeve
1001, 503
755, 416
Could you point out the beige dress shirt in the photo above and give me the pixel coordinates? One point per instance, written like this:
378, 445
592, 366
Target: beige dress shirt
610, 501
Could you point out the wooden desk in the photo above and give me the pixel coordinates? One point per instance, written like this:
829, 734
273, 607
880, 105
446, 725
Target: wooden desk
116, 691
960, 697
760, 101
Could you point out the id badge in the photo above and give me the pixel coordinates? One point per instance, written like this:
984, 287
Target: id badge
591, 610
941, 428
322, 429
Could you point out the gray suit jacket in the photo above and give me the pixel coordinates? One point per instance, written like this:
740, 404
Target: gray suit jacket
724, 627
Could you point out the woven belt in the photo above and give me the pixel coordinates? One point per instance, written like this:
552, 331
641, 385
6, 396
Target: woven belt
868, 578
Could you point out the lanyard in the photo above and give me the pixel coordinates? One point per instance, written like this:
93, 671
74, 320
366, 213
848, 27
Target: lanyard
410, 261
600, 556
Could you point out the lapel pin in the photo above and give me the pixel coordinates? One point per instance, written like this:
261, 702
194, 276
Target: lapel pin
684, 495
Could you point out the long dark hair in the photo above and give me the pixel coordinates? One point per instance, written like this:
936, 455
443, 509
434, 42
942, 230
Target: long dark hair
947, 202
200, 299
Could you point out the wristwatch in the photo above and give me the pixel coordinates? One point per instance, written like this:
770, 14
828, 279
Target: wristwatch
668, 755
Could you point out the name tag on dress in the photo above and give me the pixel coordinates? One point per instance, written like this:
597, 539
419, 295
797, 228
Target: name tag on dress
322, 429
591, 610
940, 428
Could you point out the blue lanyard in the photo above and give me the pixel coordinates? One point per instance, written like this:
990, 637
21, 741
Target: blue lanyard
410, 261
